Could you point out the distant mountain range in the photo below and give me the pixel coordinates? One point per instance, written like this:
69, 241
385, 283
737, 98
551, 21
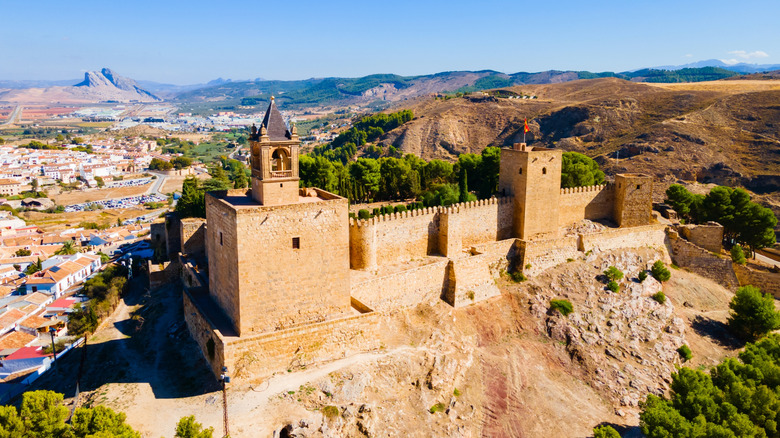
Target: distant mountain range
739, 68
97, 86
379, 90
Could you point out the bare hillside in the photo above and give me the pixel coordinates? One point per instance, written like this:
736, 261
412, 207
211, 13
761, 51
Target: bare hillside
725, 131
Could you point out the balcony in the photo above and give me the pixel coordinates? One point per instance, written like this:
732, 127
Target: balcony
281, 174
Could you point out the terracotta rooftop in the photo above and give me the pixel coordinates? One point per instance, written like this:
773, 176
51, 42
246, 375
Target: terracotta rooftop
16, 339
10, 317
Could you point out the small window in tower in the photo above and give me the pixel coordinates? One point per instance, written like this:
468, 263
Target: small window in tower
281, 184
544, 171
520, 172
296, 243
220, 238
638, 186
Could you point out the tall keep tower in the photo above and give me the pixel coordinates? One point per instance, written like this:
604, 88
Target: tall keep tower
532, 176
274, 150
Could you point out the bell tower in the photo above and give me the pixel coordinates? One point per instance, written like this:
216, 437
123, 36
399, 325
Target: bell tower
274, 151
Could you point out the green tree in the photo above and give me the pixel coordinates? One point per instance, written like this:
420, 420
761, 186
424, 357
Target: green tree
680, 199
463, 186
43, 414
11, 424
187, 427
34, 267
752, 314
101, 421
68, 248
563, 306
99, 181
660, 272
182, 162
613, 273
192, 202
605, 432
22, 252
737, 255
578, 170
158, 164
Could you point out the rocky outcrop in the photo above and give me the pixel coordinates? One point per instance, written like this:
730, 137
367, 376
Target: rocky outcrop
107, 81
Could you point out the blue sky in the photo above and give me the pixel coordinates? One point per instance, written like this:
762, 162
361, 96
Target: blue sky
184, 42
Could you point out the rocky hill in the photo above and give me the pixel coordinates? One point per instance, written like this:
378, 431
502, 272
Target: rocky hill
726, 132
97, 86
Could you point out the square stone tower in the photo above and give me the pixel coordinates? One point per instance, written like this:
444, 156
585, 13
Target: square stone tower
279, 256
633, 199
532, 176
274, 163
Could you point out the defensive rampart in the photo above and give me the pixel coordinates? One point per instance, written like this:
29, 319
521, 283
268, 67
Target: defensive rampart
702, 262
421, 284
633, 237
578, 203
708, 236
399, 237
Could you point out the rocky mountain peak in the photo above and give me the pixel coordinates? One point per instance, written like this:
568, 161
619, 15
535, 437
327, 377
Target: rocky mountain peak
107, 80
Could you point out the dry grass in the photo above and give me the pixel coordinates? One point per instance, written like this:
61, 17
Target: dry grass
174, 183
746, 86
78, 197
60, 221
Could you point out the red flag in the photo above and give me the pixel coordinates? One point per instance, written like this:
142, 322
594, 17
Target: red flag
526, 128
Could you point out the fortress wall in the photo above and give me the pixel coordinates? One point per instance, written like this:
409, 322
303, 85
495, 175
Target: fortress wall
708, 236
202, 331
222, 250
702, 262
545, 254
407, 288
768, 282
486, 220
391, 238
251, 358
399, 237
193, 236
578, 203
470, 280
647, 235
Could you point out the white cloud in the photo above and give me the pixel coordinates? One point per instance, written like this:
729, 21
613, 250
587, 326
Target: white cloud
742, 54
689, 55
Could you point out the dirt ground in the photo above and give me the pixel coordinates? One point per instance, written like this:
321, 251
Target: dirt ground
174, 183
512, 378
79, 197
60, 221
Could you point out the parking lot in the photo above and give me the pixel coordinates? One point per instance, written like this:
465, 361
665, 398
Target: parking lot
127, 202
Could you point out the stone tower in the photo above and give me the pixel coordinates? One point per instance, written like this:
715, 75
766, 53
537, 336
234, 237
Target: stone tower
633, 199
278, 257
274, 163
532, 176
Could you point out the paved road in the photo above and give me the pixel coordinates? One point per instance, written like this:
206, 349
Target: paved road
767, 260
16, 113
158, 183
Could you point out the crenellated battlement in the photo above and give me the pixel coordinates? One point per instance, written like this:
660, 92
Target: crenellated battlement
429, 211
587, 189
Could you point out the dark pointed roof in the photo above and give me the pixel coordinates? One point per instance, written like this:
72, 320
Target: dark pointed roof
274, 123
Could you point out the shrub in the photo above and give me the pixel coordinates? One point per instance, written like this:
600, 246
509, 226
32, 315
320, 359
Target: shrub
363, 214
563, 306
187, 427
22, 252
456, 393
605, 432
660, 272
685, 353
613, 273
330, 411
470, 294
642, 276
753, 314
660, 297
376, 212
438, 407
517, 277
613, 286
400, 208
738, 255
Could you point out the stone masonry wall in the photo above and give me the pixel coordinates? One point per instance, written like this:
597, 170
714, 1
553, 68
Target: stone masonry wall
423, 284
400, 237
577, 203
193, 236
544, 254
222, 251
702, 262
767, 281
252, 358
282, 285
708, 236
202, 331
648, 235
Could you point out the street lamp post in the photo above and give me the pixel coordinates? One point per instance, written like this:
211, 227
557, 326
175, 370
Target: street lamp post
53, 330
225, 378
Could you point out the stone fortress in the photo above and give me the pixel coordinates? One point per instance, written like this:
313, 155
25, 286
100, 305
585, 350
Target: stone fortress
291, 277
